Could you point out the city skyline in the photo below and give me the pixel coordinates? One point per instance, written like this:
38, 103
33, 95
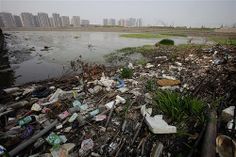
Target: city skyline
44, 20
41, 19
191, 13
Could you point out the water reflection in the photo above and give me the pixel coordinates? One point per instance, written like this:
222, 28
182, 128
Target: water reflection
7, 75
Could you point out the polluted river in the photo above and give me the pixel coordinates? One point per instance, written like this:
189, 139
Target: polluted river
38, 55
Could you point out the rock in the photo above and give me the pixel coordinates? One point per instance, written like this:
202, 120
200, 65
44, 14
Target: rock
168, 82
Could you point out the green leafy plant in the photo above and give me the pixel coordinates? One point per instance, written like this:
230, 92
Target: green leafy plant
126, 73
151, 85
179, 108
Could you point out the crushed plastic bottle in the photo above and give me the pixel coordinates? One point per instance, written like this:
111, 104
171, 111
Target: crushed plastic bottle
26, 120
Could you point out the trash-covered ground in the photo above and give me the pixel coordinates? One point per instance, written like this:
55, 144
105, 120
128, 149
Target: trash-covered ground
160, 108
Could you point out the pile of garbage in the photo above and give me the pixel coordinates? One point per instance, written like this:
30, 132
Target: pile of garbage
99, 113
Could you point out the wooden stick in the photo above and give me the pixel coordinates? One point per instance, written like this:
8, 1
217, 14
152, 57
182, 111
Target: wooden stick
209, 142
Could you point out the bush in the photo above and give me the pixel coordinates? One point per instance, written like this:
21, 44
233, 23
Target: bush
179, 108
166, 42
126, 73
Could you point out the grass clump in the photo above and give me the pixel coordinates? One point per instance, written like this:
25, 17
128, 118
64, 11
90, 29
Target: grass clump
224, 41
126, 73
179, 108
151, 85
166, 42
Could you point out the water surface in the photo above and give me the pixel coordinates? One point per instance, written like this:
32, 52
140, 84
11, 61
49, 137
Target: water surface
31, 63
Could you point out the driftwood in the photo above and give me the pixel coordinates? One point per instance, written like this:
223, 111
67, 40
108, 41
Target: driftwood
209, 142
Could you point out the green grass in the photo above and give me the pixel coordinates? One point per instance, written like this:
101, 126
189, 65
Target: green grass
126, 73
166, 42
142, 49
179, 109
150, 35
224, 41
174, 34
144, 35
151, 85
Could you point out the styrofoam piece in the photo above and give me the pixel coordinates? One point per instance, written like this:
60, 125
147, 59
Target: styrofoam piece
158, 126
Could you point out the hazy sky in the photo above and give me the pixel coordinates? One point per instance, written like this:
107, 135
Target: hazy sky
209, 13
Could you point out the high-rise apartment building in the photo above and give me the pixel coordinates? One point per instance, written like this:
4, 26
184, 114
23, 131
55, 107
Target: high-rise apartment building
52, 24
7, 19
131, 22
18, 21
36, 20
44, 20
105, 22
75, 21
122, 22
57, 20
65, 20
85, 22
27, 19
112, 22
139, 22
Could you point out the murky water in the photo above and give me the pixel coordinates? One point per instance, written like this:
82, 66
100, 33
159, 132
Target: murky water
31, 63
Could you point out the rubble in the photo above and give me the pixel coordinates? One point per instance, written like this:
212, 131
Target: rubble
104, 114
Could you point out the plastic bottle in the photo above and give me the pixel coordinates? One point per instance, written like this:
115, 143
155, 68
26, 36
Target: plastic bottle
26, 120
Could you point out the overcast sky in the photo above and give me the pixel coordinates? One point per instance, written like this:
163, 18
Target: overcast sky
195, 13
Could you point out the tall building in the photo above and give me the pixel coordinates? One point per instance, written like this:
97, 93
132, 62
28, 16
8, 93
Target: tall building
36, 21
44, 20
7, 19
18, 21
65, 20
139, 22
85, 22
122, 22
105, 22
75, 21
112, 22
131, 22
57, 20
27, 19
52, 24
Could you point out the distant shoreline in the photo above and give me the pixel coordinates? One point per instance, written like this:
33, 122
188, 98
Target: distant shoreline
231, 32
